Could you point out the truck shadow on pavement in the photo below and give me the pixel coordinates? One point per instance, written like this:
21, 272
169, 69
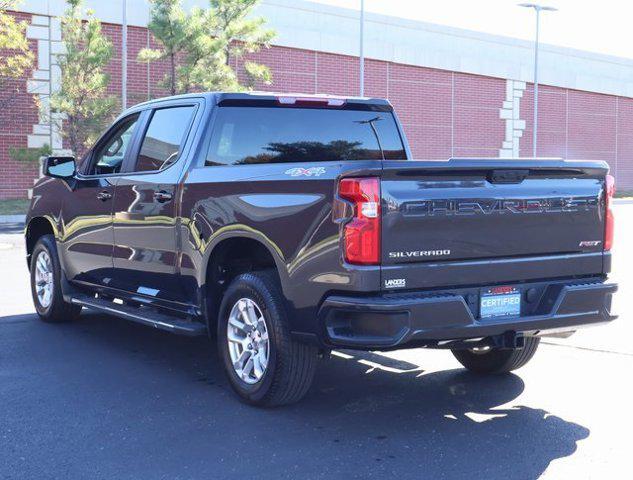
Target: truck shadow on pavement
451, 424
366, 415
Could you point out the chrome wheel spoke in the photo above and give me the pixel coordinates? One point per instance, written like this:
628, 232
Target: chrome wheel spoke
248, 367
240, 363
247, 317
234, 337
251, 315
264, 336
234, 322
257, 365
263, 358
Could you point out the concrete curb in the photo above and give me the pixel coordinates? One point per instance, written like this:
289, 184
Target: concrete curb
12, 219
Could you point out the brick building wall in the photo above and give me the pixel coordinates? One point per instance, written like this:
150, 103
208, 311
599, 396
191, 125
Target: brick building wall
17, 114
444, 113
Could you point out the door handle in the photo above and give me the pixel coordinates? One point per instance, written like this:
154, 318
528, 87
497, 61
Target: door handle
103, 196
162, 196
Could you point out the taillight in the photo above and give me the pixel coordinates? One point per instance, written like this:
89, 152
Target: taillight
362, 233
608, 230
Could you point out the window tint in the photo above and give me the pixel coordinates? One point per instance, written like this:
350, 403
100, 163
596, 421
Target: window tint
109, 155
164, 137
249, 135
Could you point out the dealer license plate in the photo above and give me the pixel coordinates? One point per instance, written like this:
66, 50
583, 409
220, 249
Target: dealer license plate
500, 302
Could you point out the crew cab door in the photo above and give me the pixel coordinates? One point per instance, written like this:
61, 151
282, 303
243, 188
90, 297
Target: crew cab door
146, 249
88, 237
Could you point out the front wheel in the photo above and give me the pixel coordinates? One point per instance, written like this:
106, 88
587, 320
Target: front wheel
46, 284
495, 360
264, 365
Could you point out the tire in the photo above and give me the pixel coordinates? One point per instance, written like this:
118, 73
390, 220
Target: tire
50, 306
288, 371
497, 361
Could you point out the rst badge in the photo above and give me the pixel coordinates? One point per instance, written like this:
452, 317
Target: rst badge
589, 243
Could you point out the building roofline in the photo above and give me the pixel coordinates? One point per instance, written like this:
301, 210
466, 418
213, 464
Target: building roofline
326, 28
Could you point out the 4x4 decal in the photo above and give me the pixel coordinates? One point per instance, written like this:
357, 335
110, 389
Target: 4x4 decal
307, 172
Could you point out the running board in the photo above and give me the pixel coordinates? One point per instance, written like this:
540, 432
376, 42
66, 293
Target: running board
143, 315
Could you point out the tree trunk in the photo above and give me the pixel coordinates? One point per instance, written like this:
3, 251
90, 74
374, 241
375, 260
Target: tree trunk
73, 137
172, 58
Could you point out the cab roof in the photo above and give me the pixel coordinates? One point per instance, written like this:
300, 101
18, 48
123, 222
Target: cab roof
266, 97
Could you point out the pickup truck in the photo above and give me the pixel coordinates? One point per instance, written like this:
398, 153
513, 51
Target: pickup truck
285, 226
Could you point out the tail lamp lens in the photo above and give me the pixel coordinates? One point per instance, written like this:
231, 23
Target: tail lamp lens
609, 193
362, 233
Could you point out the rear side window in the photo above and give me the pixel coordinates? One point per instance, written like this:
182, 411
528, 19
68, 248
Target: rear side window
164, 138
251, 135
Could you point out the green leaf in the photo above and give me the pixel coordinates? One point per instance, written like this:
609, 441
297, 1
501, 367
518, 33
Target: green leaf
16, 57
82, 95
199, 46
29, 155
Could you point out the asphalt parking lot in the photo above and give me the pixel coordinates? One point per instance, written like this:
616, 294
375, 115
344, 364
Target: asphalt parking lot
103, 398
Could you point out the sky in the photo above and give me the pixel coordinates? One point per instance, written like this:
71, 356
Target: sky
604, 26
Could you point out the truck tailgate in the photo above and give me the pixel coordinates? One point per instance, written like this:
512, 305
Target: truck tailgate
480, 212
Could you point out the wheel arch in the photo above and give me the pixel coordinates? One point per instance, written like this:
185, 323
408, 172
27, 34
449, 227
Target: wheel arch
35, 229
232, 255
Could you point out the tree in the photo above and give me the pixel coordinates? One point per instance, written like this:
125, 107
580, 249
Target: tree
15, 56
82, 96
199, 46
175, 31
239, 35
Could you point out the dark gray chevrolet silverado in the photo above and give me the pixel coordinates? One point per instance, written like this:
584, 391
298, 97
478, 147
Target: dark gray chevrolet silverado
285, 226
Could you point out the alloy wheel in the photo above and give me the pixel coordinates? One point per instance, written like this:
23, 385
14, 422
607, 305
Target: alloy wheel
248, 342
44, 279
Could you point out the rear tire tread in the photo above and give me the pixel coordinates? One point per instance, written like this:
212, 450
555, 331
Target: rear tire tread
294, 382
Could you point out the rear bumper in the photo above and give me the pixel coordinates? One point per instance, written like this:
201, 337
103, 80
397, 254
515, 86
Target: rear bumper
402, 320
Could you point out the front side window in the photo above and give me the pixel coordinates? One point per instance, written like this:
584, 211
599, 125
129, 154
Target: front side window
253, 135
108, 157
164, 138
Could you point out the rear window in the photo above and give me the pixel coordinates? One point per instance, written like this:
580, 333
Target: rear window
251, 135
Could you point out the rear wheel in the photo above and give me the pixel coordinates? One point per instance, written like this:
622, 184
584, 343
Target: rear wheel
495, 360
46, 283
264, 365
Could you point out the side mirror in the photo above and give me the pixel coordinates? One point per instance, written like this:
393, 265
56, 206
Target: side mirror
60, 167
